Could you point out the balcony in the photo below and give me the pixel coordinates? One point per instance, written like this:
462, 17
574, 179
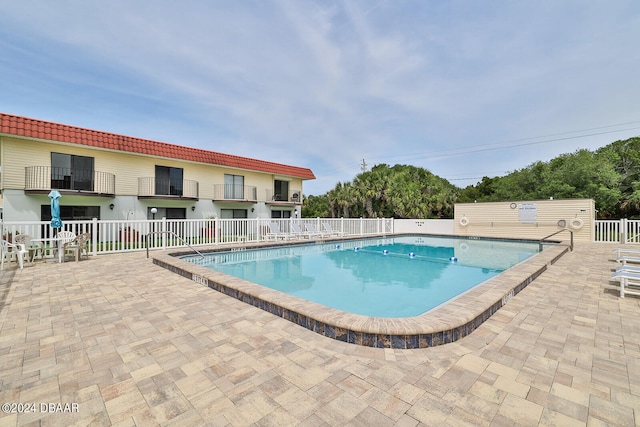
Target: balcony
293, 197
236, 193
150, 187
69, 181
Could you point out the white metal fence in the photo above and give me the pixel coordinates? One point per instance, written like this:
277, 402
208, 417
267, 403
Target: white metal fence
625, 231
109, 236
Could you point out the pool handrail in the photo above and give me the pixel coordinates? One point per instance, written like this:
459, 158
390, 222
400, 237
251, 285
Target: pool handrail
146, 239
541, 241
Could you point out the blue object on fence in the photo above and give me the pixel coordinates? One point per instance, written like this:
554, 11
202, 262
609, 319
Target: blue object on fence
412, 255
453, 259
386, 252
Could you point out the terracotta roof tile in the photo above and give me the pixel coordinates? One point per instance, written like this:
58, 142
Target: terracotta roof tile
32, 128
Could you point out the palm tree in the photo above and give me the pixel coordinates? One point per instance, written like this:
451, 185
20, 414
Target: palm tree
347, 198
341, 199
367, 188
332, 198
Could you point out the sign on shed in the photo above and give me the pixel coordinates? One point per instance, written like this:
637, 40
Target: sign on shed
527, 212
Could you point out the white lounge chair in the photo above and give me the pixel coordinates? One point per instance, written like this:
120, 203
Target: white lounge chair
275, 233
330, 231
297, 232
629, 268
620, 252
311, 230
628, 259
628, 279
11, 250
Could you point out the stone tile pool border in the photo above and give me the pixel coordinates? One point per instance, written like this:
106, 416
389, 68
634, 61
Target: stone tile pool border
444, 324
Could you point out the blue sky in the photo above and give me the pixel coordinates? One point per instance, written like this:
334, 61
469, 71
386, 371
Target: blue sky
465, 89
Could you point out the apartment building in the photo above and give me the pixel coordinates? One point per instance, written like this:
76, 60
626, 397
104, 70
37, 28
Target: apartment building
108, 176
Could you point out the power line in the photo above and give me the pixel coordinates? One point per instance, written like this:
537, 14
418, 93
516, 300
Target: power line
466, 179
533, 143
497, 146
500, 145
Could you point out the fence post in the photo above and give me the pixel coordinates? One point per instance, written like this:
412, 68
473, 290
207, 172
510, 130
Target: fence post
163, 227
94, 236
623, 231
257, 222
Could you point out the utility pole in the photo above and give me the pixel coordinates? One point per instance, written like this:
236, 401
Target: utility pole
363, 166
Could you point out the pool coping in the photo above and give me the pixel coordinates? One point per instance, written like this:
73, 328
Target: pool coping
444, 324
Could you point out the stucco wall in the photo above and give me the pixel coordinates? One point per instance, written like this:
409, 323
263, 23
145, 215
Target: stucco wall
526, 219
424, 226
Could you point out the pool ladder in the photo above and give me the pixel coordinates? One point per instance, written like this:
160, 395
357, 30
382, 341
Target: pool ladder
541, 242
174, 234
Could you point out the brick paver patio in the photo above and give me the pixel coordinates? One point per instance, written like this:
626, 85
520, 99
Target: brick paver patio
115, 340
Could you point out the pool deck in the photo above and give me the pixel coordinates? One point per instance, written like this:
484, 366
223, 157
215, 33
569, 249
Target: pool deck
134, 344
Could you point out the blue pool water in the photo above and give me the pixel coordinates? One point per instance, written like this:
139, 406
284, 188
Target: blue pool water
383, 277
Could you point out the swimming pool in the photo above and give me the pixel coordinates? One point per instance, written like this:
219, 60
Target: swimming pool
444, 324
383, 277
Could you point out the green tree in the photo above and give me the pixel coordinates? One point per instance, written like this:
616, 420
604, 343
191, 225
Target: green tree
416, 193
402, 191
342, 199
610, 176
582, 174
483, 191
625, 156
316, 206
371, 191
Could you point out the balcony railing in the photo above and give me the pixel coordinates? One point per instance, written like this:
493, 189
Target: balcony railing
152, 187
293, 196
49, 178
235, 192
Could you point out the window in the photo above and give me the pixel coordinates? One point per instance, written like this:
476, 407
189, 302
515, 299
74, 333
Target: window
168, 181
233, 187
281, 190
169, 213
71, 213
69, 172
280, 214
233, 213
175, 227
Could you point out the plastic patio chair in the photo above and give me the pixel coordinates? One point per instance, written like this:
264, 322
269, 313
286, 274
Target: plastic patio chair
77, 246
25, 239
11, 250
63, 238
